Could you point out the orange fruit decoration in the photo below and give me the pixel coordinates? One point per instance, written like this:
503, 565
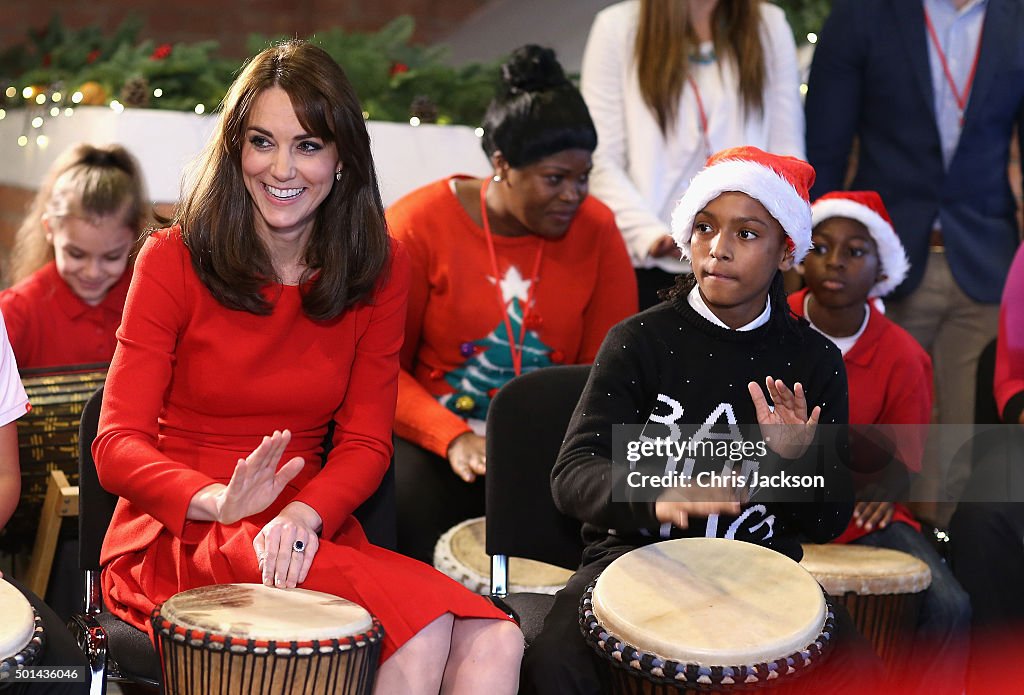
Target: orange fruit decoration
93, 94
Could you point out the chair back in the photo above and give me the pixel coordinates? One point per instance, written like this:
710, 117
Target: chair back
986, 412
526, 426
95, 505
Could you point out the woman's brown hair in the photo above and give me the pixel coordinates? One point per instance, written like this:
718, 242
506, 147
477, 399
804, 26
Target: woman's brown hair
86, 181
348, 248
665, 41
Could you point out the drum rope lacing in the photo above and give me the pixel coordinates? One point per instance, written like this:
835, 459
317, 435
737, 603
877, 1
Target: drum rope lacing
663, 671
27, 655
206, 646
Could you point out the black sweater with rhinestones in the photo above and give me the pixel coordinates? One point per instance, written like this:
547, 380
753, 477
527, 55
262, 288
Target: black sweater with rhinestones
675, 374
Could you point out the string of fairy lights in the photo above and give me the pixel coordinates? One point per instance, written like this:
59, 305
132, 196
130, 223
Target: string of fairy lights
36, 112
40, 103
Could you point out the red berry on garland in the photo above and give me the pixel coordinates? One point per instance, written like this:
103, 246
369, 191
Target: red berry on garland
161, 52
397, 69
93, 56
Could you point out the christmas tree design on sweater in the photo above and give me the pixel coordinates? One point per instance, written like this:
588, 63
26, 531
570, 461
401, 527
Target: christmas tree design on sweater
488, 363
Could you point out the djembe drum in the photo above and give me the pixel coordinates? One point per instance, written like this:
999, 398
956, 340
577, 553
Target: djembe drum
48, 439
881, 588
251, 639
707, 615
460, 553
21, 633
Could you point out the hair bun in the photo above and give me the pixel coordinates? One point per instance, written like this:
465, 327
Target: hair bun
532, 68
108, 157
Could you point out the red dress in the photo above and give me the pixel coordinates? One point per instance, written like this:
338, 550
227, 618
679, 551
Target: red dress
49, 325
194, 386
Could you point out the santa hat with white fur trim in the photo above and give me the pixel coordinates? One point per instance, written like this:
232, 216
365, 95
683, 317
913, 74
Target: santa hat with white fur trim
781, 184
867, 208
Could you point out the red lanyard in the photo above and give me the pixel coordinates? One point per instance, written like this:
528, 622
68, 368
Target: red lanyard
701, 115
513, 348
961, 98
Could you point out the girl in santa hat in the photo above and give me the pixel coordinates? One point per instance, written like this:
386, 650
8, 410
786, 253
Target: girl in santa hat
856, 257
710, 360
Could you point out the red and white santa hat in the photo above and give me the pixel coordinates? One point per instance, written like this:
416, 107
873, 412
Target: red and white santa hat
781, 184
867, 208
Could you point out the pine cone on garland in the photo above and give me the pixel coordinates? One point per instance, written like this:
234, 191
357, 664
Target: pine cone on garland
135, 92
424, 108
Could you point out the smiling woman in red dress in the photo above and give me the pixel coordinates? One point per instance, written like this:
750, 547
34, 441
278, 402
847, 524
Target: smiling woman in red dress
274, 306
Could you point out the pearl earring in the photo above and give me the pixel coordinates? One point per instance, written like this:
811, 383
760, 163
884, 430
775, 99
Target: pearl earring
337, 175
497, 178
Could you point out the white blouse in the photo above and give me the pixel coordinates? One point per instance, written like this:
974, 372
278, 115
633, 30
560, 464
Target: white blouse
641, 174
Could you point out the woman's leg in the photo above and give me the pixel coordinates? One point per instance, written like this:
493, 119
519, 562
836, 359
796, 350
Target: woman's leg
484, 658
455, 656
419, 664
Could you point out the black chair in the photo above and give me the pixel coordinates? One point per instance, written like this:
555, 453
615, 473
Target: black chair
526, 425
986, 412
115, 649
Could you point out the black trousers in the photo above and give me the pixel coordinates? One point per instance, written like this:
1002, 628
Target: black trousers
560, 662
987, 555
986, 531
431, 499
60, 651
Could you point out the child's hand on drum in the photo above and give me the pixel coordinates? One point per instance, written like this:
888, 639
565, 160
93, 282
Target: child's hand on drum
785, 426
872, 515
676, 505
256, 481
286, 546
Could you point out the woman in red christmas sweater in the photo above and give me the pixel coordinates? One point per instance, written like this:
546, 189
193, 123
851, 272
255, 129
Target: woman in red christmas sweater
509, 274
273, 307
71, 260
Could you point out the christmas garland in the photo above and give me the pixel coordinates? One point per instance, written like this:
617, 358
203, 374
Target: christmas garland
59, 67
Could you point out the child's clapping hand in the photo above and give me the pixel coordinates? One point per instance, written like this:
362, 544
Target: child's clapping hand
785, 426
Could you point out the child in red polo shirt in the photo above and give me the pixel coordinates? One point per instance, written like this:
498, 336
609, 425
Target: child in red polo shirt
70, 267
856, 257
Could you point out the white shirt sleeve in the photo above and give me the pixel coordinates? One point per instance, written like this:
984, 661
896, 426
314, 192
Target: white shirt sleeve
783, 107
13, 401
606, 59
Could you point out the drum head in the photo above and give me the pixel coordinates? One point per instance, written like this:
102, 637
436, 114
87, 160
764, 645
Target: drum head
461, 554
18, 621
259, 612
864, 570
710, 601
